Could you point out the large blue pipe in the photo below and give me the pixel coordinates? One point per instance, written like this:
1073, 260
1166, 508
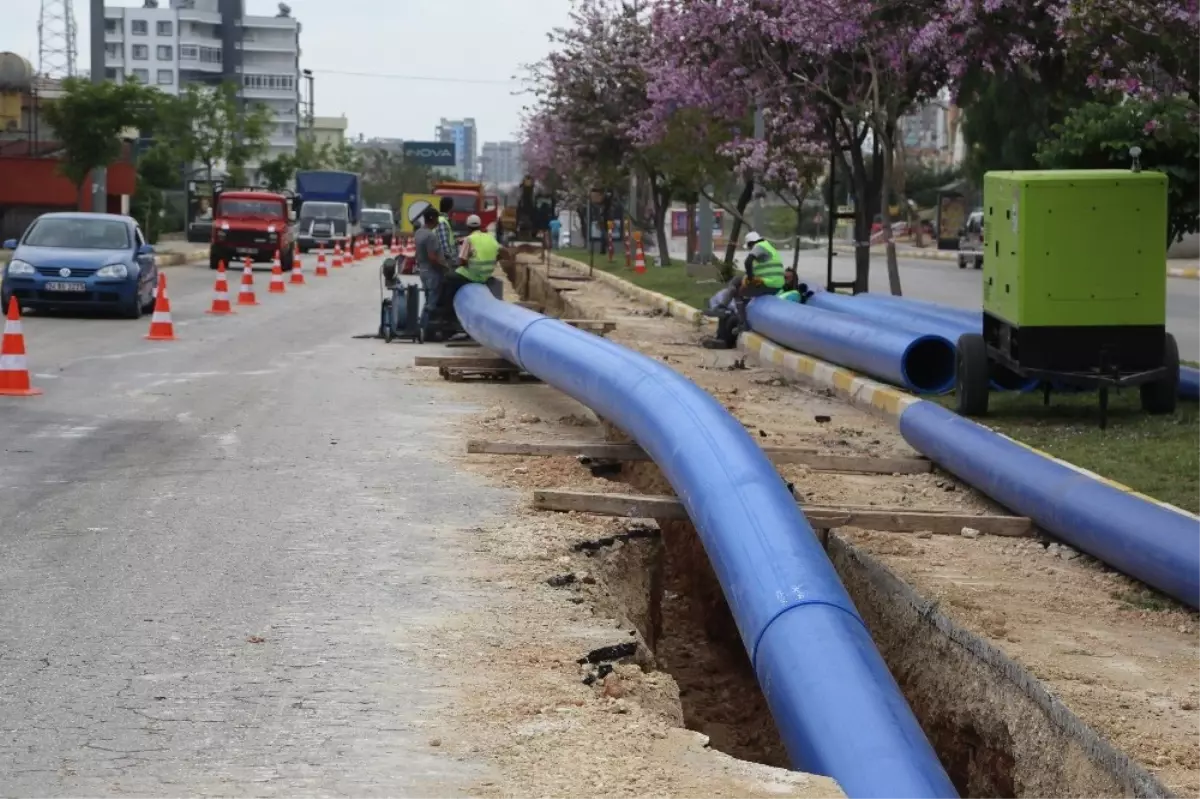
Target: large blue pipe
917, 319
1154, 543
918, 362
1189, 382
838, 709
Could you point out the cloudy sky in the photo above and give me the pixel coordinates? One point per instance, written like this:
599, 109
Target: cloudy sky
376, 60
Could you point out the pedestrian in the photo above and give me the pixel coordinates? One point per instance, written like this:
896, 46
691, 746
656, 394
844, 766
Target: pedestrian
478, 261
555, 231
431, 263
764, 276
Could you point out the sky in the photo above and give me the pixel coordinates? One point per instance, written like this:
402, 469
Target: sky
367, 56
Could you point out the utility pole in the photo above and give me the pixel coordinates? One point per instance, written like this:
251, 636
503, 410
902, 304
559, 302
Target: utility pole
99, 203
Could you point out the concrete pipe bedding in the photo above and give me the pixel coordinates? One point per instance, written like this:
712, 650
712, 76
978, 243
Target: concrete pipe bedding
917, 320
921, 363
1155, 543
838, 709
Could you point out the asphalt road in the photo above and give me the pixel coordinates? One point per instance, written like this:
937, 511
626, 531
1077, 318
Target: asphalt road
217, 554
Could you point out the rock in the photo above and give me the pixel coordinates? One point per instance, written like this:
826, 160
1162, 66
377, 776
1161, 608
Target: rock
520, 470
822, 418
1052, 550
970, 532
1066, 553
584, 577
1185, 705
493, 414
529, 418
925, 534
613, 687
435, 741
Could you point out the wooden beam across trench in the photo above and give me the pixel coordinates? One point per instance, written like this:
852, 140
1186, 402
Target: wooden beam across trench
893, 520
804, 456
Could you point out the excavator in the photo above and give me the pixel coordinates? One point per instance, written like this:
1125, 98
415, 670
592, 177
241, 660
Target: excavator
528, 219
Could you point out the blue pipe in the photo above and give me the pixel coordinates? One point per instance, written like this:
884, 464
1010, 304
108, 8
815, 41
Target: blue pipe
917, 362
964, 315
1189, 382
919, 321
1154, 543
838, 709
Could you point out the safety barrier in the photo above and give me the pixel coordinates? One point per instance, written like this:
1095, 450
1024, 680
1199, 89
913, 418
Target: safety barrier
836, 705
1156, 543
921, 363
917, 320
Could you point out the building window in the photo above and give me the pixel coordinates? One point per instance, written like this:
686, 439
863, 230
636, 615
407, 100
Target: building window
110, 73
139, 27
210, 55
166, 77
141, 52
112, 50
166, 52
189, 52
141, 75
163, 27
112, 26
273, 82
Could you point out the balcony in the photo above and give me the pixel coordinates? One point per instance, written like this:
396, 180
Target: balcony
195, 15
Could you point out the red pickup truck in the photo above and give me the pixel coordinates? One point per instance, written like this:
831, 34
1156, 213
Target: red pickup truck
254, 224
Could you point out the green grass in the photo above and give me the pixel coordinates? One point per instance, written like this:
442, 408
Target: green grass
672, 281
1156, 455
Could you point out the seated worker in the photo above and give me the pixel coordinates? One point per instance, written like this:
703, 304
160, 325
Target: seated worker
478, 260
764, 276
793, 289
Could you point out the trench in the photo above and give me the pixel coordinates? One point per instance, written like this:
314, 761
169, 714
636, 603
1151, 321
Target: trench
995, 727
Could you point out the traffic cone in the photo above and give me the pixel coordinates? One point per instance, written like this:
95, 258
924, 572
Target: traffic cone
337, 256
246, 292
321, 270
277, 285
639, 261
379, 245
349, 257
14, 370
220, 303
297, 277
161, 328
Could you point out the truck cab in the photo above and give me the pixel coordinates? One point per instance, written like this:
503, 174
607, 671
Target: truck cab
251, 223
468, 199
328, 205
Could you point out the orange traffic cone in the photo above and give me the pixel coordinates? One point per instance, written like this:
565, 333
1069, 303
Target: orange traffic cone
246, 292
379, 245
337, 256
220, 303
321, 270
161, 328
277, 285
14, 370
297, 277
639, 261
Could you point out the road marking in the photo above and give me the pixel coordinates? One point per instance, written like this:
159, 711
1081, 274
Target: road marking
66, 431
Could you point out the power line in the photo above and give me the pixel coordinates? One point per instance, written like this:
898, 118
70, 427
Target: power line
427, 78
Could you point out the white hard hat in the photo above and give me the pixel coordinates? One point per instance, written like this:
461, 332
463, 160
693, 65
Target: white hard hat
753, 238
474, 221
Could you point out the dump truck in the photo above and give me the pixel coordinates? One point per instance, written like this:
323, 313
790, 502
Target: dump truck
468, 199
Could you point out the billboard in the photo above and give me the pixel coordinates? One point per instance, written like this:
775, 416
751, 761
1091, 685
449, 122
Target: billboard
431, 153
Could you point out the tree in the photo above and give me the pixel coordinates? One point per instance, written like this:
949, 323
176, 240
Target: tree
89, 120
1099, 135
210, 127
387, 176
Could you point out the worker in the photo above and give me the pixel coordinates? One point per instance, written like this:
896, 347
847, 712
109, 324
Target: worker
555, 230
445, 232
432, 265
793, 290
478, 261
764, 276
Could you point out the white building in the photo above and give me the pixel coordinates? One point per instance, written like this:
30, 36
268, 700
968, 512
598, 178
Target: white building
500, 163
466, 147
209, 42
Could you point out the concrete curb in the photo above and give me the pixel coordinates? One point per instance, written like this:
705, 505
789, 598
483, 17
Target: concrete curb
1188, 273
660, 302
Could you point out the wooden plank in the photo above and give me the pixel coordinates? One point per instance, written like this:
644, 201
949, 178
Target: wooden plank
803, 456
895, 520
465, 361
572, 278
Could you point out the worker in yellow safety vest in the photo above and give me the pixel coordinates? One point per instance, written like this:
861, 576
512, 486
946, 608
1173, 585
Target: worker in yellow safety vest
764, 276
477, 262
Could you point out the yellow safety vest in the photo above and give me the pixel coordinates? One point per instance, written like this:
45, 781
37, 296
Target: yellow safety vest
790, 295
484, 252
770, 273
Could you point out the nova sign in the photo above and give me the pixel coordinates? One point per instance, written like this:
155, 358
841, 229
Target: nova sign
431, 153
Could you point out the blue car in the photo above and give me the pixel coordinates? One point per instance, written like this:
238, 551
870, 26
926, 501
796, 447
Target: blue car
81, 260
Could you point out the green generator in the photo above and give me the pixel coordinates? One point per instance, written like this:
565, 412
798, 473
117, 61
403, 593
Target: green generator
1074, 286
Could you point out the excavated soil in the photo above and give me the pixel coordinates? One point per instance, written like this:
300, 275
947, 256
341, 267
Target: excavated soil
1035, 670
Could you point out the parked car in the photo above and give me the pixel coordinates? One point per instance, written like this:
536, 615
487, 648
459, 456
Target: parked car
970, 241
80, 260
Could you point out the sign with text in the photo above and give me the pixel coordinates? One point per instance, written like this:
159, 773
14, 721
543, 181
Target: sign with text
431, 153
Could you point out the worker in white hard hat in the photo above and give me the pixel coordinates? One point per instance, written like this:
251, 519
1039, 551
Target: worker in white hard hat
478, 257
764, 276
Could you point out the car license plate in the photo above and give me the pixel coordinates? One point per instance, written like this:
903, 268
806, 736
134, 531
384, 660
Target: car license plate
66, 287
246, 251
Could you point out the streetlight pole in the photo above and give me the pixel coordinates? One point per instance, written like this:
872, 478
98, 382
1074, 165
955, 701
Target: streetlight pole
308, 79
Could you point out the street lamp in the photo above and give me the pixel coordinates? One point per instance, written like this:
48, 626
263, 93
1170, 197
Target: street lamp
308, 78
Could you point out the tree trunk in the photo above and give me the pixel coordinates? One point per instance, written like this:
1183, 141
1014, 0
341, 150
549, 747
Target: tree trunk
735, 232
660, 197
691, 234
860, 184
799, 231
885, 212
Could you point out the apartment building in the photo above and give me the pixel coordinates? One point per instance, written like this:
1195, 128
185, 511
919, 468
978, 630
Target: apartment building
462, 133
209, 42
500, 163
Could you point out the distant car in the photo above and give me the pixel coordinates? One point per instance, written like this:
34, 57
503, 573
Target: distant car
80, 260
378, 223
